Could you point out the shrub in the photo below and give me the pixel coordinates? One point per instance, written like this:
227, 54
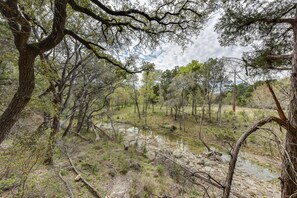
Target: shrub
160, 170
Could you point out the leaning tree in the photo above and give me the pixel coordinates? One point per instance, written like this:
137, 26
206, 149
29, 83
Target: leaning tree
270, 27
38, 26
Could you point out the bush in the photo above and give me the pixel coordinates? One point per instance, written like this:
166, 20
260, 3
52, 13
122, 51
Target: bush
160, 170
226, 135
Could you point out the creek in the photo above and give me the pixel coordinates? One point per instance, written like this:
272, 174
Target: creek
250, 176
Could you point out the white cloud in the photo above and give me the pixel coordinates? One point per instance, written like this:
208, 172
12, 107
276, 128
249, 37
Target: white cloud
205, 46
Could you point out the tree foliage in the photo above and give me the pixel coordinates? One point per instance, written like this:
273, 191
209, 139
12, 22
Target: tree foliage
109, 29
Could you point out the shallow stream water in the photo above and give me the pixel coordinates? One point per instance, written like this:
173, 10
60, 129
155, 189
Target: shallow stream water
170, 141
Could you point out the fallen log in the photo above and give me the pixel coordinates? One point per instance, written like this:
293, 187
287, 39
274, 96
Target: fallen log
89, 186
66, 184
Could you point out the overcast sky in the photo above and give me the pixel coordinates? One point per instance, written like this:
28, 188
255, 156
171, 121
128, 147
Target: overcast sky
205, 46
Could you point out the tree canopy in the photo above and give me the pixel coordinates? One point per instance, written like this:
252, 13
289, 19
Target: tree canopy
110, 29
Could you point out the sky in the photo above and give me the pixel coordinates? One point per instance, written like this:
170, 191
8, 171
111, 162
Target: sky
203, 47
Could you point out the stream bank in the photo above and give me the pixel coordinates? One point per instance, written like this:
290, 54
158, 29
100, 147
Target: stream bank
250, 179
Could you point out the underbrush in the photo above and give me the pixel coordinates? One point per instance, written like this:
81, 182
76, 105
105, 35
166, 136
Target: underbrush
100, 163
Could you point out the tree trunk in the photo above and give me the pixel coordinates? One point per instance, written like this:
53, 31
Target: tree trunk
193, 104
57, 102
234, 92
23, 94
203, 112
21, 29
52, 140
175, 114
81, 122
80, 114
69, 125
72, 116
209, 110
289, 166
137, 107
219, 112
235, 152
195, 108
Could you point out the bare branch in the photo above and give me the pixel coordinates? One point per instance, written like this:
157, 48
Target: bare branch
241, 140
280, 57
278, 106
58, 27
100, 56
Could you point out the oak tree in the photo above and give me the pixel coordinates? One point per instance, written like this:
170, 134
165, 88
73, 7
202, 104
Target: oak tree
39, 26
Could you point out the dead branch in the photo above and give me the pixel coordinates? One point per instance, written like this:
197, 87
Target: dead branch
278, 106
112, 125
200, 175
97, 137
234, 155
209, 179
280, 57
102, 131
200, 185
66, 184
90, 187
82, 137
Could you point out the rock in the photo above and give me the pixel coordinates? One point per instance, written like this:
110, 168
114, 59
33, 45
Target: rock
200, 161
252, 193
191, 165
112, 173
135, 165
210, 163
121, 186
132, 130
77, 178
159, 150
173, 128
177, 154
150, 155
145, 127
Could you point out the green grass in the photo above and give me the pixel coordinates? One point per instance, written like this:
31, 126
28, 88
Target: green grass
99, 163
